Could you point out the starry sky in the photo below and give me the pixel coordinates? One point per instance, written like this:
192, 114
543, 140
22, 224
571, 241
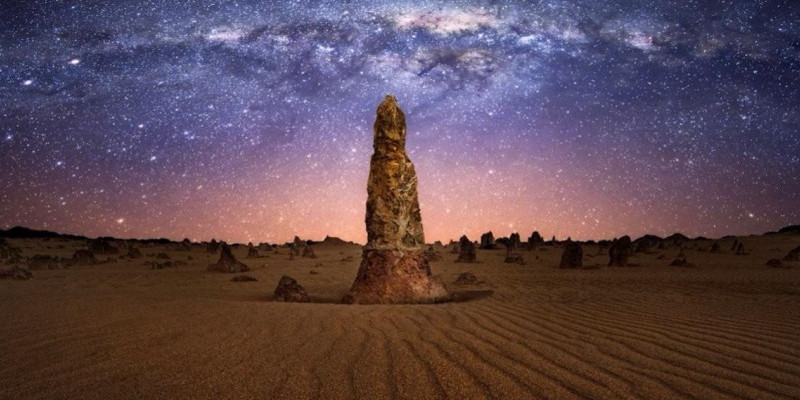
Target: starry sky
252, 120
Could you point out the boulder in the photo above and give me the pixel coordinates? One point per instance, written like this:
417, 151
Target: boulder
290, 291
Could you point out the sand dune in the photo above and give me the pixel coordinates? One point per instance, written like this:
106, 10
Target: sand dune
728, 328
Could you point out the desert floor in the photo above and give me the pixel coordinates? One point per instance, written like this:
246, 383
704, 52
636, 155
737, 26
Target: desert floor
729, 328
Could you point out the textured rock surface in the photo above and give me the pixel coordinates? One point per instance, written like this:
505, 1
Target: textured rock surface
572, 257
619, 251
227, 262
290, 291
394, 268
466, 252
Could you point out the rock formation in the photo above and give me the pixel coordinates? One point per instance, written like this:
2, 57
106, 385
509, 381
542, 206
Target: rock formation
775, 263
7, 251
466, 252
133, 252
252, 252
102, 246
243, 278
299, 248
212, 246
513, 242
572, 257
715, 248
535, 240
393, 267
290, 291
454, 247
681, 261
227, 262
647, 243
514, 258
487, 241
16, 273
431, 254
619, 251
793, 255
466, 278
740, 249
83, 257
735, 244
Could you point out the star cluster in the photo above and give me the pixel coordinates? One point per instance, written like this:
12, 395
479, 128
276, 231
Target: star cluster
252, 120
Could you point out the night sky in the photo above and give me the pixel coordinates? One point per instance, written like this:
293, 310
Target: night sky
252, 120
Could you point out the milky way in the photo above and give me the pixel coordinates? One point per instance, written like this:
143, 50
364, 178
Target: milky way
252, 120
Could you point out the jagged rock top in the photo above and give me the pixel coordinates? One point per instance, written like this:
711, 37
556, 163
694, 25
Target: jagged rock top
389, 138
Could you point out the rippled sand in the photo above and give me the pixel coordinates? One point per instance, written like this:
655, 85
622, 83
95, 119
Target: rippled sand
729, 328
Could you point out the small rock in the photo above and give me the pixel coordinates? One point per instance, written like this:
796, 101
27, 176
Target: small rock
466, 278
16, 273
243, 278
793, 255
681, 261
514, 258
775, 263
290, 291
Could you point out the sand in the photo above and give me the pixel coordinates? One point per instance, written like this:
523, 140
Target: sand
729, 328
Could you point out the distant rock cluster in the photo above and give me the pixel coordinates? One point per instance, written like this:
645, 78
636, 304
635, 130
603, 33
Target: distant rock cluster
299, 248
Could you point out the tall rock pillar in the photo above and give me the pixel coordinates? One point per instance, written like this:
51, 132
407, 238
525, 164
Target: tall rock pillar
393, 267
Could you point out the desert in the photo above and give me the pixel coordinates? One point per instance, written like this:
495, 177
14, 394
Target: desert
725, 328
